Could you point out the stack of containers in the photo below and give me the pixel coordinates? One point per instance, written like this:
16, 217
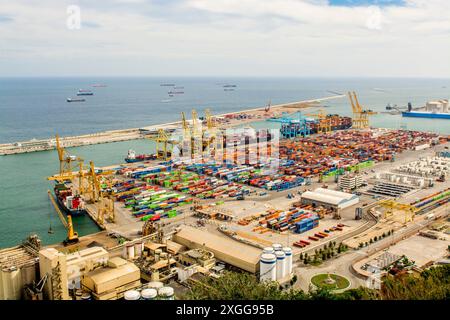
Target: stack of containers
306, 224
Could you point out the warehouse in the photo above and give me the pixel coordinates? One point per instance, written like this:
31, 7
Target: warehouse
225, 249
329, 198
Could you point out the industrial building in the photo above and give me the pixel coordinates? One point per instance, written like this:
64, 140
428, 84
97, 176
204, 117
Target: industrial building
111, 282
18, 268
227, 250
350, 181
329, 198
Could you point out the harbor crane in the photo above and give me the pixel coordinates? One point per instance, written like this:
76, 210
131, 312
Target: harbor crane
360, 115
324, 122
72, 236
197, 138
164, 145
65, 159
390, 206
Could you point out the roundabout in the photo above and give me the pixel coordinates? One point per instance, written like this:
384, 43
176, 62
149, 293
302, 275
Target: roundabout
330, 281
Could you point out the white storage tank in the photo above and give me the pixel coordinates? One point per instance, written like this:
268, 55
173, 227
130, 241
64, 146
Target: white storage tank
268, 250
149, 294
155, 285
132, 295
281, 261
277, 246
166, 293
268, 267
288, 252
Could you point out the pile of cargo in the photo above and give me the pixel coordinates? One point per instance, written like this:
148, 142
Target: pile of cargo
306, 224
347, 149
249, 175
201, 186
139, 172
287, 220
156, 204
148, 202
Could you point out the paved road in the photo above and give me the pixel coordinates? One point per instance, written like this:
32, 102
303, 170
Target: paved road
343, 264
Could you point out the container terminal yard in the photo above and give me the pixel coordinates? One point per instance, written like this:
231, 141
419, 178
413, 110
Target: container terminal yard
268, 202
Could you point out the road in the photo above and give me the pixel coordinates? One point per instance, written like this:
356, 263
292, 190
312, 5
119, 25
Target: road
343, 264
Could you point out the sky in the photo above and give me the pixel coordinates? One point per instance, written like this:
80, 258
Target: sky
252, 38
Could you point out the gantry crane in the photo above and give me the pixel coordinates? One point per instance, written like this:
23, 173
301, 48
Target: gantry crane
196, 137
324, 122
100, 196
163, 145
65, 159
360, 115
409, 211
72, 236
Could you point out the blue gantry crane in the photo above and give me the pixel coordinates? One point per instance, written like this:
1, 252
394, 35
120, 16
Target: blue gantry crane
292, 127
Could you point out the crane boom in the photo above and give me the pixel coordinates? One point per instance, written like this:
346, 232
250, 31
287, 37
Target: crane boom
72, 236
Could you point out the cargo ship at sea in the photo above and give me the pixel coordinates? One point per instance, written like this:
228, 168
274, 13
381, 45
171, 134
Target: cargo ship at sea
75, 100
433, 109
82, 92
68, 202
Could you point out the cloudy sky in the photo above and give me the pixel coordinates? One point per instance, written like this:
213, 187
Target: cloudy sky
295, 38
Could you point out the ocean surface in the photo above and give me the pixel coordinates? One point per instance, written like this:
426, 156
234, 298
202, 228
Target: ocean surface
37, 108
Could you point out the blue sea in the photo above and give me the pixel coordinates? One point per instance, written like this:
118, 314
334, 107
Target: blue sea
37, 108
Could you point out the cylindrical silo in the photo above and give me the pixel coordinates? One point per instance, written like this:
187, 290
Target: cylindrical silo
288, 253
132, 295
277, 246
268, 250
281, 260
166, 293
155, 285
149, 294
268, 267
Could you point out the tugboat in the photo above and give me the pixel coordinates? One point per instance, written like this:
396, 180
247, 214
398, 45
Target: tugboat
70, 204
132, 157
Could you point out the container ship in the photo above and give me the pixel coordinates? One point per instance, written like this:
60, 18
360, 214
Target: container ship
132, 157
82, 92
337, 123
71, 204
433, 109
75, 100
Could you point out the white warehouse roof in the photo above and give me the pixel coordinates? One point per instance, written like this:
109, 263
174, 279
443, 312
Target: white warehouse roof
331, 197
334, 193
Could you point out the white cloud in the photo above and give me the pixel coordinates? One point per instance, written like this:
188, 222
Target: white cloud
225, 37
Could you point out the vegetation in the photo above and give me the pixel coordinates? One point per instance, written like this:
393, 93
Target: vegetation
327, 252
320, 281
432, 284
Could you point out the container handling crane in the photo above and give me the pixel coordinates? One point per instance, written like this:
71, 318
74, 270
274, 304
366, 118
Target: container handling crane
65, 159
360, 115
324, 122
72, 236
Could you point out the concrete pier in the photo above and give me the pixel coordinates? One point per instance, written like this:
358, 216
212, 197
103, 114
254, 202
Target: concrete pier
258, 114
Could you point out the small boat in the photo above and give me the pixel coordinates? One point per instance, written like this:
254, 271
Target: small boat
167, 85
166, 100
99, 85
228, 89
178, 87
175, 92
229, 86
75, 100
